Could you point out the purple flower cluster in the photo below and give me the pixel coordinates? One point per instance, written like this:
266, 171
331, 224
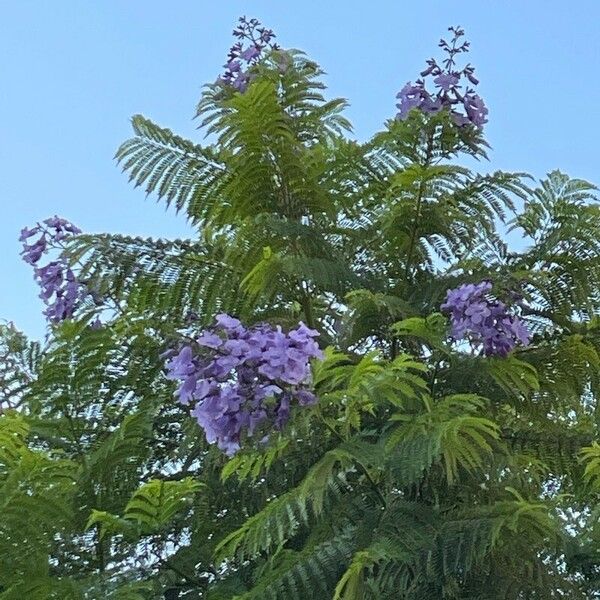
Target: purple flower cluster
465, 107
243, 379
50, 231
253, 40
487, 322
60, 289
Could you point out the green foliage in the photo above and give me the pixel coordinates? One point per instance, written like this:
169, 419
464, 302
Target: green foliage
448, 429
591, 458
151, 507
425, 470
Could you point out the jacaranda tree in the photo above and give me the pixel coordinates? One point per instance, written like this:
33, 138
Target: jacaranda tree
345, 386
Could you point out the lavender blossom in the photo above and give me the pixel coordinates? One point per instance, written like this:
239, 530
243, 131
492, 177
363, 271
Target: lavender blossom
68, 292
476, 109
27, 233
31, 253
446, 81
410, 96
243, 379
465, 107
483, 321
61, 226
240, 59
60, 289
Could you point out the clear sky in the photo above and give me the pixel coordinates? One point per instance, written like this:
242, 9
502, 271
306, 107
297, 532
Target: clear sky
73, 72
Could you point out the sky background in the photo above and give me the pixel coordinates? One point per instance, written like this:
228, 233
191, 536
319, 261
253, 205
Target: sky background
73, 73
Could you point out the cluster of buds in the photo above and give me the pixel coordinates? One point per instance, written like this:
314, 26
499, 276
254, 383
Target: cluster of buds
60, 290
253, 40
463, 104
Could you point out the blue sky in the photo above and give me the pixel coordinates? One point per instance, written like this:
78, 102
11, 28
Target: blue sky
74, 72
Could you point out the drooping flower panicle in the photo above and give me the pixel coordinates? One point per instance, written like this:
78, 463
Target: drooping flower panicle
484, 321
243, 379
465, 106
253, 40
60, 289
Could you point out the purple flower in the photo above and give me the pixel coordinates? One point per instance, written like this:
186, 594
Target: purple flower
203, 388
237, 348
234, 66
410, 96
460, 120
228, 323
240, 83
275, 356
520, 332
50, 278
60, 225
302, 333
431, 105
60, 289
182, 364
265, 391
305, 398
210, 340
282, 412
447, 95
270, 371
477, 312
32, 253
476, 109
243, 379
27, 233
258, 39
226, 363
187, 390
446, 81
484, 321
57, 280
250, 53
294, 372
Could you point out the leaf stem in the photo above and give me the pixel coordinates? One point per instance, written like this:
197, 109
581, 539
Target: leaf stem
420, 193
365, 471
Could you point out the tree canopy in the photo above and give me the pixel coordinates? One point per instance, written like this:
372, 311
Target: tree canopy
346, 385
